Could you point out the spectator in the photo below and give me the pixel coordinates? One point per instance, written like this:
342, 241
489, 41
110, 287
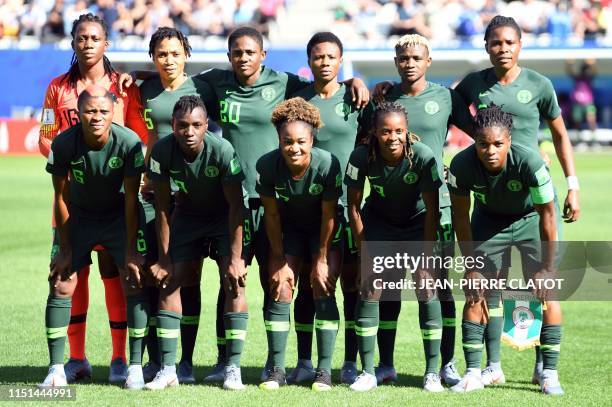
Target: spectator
207, 18
140, 18
180, 14
124, 25
366, 20
559, 23
489, 10
10, 12
72, 12
53, 30
33, 19
107, 9
409, 19
469, 24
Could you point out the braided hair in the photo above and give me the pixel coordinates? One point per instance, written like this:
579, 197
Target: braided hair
382, 109
502, 21
492, 116
164, 33
74, 73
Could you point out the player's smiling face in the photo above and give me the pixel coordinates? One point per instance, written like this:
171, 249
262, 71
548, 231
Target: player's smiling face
503, 46
246, 57
492, 145
96, 117
169, 59
391, 131
89, 43
324, 61
295, 139
189, 129
412, 63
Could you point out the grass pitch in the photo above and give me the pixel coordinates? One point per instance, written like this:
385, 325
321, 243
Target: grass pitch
25, 204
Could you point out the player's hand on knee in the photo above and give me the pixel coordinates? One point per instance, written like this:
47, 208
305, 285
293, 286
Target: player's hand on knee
61, 267
320, 278
235, 277
279, 276
161, 273
425, 284
474, 288
133, 265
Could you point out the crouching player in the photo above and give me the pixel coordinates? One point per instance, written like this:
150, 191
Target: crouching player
513, 196
90, 163
207, 217
402, 206
299, 186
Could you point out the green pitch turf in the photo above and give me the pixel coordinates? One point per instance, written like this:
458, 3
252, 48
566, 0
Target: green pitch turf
25, 207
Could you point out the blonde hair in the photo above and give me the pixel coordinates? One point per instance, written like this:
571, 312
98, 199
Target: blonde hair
412, 40
296, 109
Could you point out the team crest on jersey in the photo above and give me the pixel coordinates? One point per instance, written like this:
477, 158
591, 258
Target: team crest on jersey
115, 162
268, 93
432, 107
339, 179
411, 177
315, 189
211, 171
235, 166
514, 185
524, 96
342, 109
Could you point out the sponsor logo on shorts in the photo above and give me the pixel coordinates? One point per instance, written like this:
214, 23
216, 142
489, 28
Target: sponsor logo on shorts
524, 96
315, 189
342, 109
411, 177
432, 107
211, 171
268, 93
514, 185
115, 162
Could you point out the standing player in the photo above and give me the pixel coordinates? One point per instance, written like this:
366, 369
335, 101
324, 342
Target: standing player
403, 206
431, 110
202, 166
169, 50
342, 120
91, 163
89, 66
299, 186
529, 97
513, 197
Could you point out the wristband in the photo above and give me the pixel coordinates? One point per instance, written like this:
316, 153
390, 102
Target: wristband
572, 182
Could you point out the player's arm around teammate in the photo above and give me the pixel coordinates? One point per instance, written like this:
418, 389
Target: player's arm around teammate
202, 166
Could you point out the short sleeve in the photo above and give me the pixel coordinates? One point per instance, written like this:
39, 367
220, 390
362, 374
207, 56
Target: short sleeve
134, 161
295, 83
463, 90
333, 183
539, 181
460, 113
264, 184
49, 121
208, 96
230, 166
547, 104
57, 160
429, 179
365, 119
158, 168
356, 169
133, 117
456, 177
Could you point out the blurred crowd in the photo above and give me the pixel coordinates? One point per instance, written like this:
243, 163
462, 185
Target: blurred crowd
51, 20
451, 21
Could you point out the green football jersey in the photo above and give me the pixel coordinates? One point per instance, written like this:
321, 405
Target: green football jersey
200, 183
528, 98
395, 191
158, 102
523, 181
245, 112
340, 118
430, 113
96, 176
300, 200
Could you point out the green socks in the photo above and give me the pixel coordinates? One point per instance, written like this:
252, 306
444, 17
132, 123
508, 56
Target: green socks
550, 345
57, 318
387, 328
472, 343
277, 330
219, 324
191, 302
235, 335
152, 345
303, 314
493, 330
449, 324
430, 321
168, 329
326, 324
366, 327
350, 337
138, 320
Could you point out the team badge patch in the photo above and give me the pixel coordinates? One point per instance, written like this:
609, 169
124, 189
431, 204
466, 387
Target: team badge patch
452, 180
342, 109
268, 93
339, 179
48, 117
411, 177
524, 96
211, 171
514, 185
315, 189
50, 158
115, 162
154, 165
352, 172
432, 107
138, 159
235, 166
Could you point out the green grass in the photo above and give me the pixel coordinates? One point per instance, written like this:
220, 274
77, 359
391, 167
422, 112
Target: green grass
25, 207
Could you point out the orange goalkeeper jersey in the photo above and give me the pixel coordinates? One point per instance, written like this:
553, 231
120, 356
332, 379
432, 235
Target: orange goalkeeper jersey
60, 109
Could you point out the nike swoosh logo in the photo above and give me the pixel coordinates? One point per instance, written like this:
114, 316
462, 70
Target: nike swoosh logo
482, 94
376, 177
283, 197
480, 186
175, 171
77, 162
280, 188
230, 92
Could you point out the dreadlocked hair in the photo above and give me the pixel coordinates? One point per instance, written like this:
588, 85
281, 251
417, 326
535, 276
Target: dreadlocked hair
492, 116
74, 73
296, 110
371, 141
501, 21
164, 33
